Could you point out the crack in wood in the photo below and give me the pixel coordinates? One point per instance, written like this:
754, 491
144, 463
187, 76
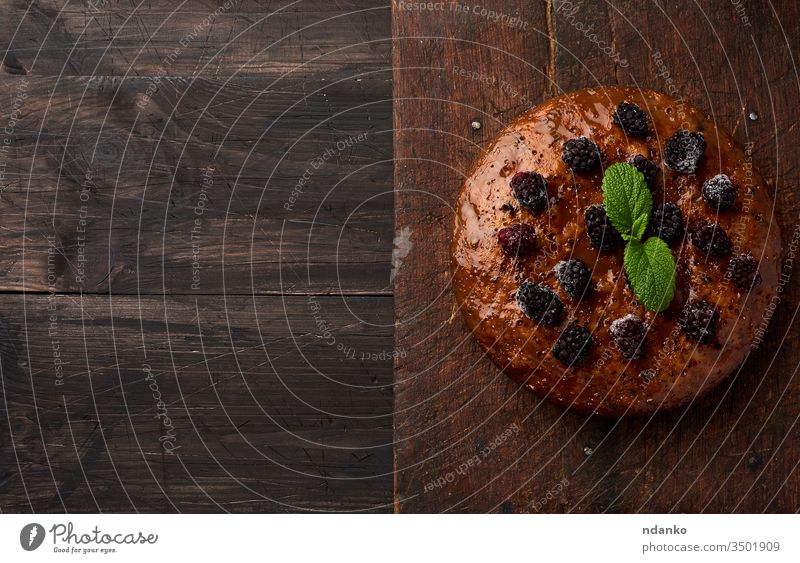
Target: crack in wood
552, 85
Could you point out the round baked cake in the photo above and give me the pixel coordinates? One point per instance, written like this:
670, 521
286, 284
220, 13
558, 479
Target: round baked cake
540, 268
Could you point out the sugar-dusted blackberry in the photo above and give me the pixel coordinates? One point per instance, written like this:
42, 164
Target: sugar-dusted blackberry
719, 193
632, 119
647, 167
539, 303
518, 239
743, 272
699, 321
683, 150
573, 345
581, 155
602, 234
575, 277
530, 189
709, 238
629, 334
666, 222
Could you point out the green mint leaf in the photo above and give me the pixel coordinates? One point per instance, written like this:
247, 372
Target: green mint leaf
651, 271
627, 199
640, 223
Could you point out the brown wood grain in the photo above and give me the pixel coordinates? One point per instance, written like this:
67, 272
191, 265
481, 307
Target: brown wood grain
238, 147
467, 440
117, 120
190, 37
267, 414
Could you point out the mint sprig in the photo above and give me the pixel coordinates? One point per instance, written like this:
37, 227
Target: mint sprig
649, 264
627, 199
651, 270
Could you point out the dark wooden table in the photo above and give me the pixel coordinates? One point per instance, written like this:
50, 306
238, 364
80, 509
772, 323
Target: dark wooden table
200, 263
153, 250
736, 450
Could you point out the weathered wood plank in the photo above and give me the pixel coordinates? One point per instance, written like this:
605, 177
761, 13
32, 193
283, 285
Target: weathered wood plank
120, 120
271, 404
279, 184
189, 38
450, 69
734, 450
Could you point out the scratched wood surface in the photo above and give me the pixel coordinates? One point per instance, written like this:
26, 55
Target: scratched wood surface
181, 328
466, 438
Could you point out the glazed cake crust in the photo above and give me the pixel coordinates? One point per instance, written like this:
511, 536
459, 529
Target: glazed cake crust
674, 369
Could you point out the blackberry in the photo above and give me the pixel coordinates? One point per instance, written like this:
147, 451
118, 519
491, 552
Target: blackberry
632, 119
666, 222
581, 155
709, 238
719, 193
683, 151
629, 334
602, 234
530, 189
699, 320
646, 167
743, 272
517, 240
575, 277
539, 303
573, 345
